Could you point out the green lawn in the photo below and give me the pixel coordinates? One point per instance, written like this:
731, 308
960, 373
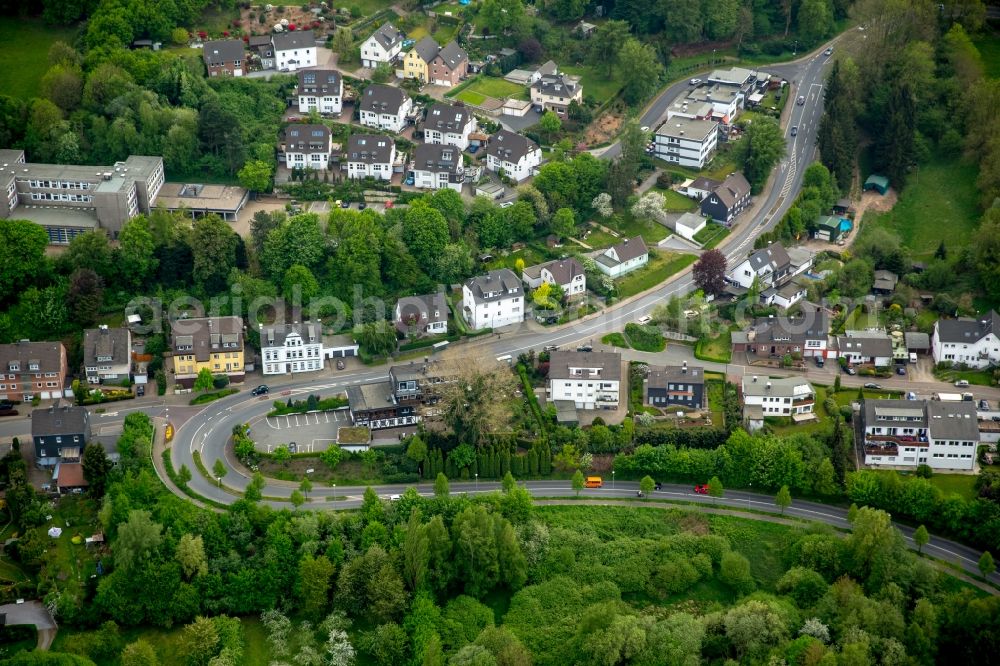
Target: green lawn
718, 349
859, 321
660, 267
445, 33
651, 232
615, 340
711, 235
490, 86
975, 377
938, 204
24, 48
989, 49
471, 97
595, 83
960, 484
675, 202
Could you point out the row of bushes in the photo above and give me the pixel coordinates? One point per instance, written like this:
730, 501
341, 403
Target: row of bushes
313, 403
206, 398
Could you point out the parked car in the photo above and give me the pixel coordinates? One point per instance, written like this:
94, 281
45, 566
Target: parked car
701, 489
389, 204
795, 130
801, 100
260, 390
362, 205
962, 383
872, 385
643, 320
409, 179
506, 204
695, 82
849, 369
644, 128
140, 390
829, 51
819, 361
984, 405
340, 364
345, 204
550, 348
585, 348
901, 370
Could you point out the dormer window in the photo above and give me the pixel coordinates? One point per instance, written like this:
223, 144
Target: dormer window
33, 366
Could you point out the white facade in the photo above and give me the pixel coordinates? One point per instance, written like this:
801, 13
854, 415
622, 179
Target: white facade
592, 380
689, 143
576, 285
393, 122
380, 170
970, 341
315, 161
434, 180
375, 50
623, 258
519, 170
778, 397
293, 59
459, 139
324, 103
493, 300
292, 350
437, 130
908, 433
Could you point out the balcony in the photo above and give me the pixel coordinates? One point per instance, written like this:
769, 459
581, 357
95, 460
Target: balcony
896, 440
801, 402
873, 450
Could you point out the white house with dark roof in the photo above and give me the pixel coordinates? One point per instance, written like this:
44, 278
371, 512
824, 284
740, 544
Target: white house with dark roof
384, 45
437, 166
307, 147
688, 225
426, 314
261, 47
448, 124
493, 300
592, 380
370, 155
768, 264
320, 90
384, 107
555, 92
687, 142
791, 396
568, 274
515, 155
974, 342
291, 348
907, 433
623, 257
865, 348
294, 50
107, 354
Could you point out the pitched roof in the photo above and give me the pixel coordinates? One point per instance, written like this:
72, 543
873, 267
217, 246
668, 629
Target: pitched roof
370, 149
556, 84
288, 41
276, 334
101, 343
547, 68
732, 189
60, 420
966, 329
811, 325
204, 335
672, 374
380, 98
510, 147
563, 270
427, 308
221, 51
875, 346
630, 248
774, 255
453, 55
388, 36
447, 118
307, 139
495, 286
319, 82
703, 183
48, 356
426, 48
953, 420
608, 365
437, 158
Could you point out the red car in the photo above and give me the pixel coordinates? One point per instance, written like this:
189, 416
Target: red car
701, 489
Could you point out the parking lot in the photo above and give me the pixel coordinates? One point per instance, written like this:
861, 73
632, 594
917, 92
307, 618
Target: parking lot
301, 433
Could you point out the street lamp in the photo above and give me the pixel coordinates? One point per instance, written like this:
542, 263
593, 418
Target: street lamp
477, 482
335, 496
750, 485
612, 479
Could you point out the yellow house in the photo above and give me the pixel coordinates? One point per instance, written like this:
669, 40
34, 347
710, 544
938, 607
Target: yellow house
215, 343
416, 64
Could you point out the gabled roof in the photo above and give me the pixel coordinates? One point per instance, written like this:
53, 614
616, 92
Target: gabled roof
563, 270
380, 98
966, 329
556, 84
510, 147
319, 82
608, 364
628, 249
427, 308
495, 286
221, 51
104, 343
60, 420
953, 420
426, 48
370, 149
202, 336
732, 189
276, 334
874, 346
437, 158
388, 36
703, 183
48, 356
453, 56
447, 118
773, 256
673, 374
812, 325
307, 139
288, 41
548, 68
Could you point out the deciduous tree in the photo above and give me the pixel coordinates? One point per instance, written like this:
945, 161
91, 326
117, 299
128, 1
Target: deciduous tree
709, 272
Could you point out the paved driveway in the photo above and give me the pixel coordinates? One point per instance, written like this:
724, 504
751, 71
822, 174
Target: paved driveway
33, 612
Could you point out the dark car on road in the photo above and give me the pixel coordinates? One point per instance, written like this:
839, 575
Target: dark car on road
872, 385
260, 390
585, 348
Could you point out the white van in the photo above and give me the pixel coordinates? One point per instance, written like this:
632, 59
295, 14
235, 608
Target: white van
506, 358
643, 320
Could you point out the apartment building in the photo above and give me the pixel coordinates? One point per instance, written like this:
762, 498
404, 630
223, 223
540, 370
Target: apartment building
686, 142
592, 380
215, 343
291, 348
29, 369
107, 354
907, 433
321, 90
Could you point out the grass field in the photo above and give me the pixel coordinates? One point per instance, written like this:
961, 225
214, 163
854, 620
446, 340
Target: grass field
718, 349
675, 202
859, 321
490, 86
615, 340
989, 49
711, 235
24, 48
595, 83
975, 377
938, 204
660, 267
